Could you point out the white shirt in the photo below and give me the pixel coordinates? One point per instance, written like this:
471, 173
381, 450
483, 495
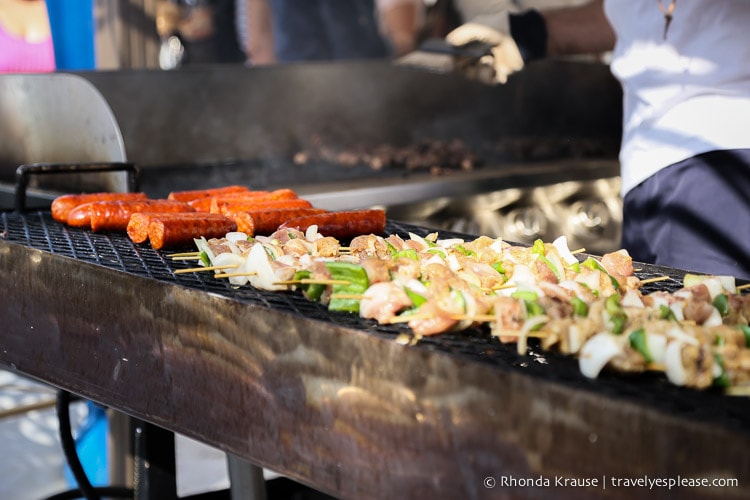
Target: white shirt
685, 95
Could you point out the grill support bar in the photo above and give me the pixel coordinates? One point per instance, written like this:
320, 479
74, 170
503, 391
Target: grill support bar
338, 409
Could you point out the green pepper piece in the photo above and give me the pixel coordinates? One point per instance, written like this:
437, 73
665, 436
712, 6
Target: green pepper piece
356, 283
638, 342
408, 253
526, 295
391, 249
746, 331
534, 308
580, 308
552, 267
458, 296
723, 379
618, 323
311, 291
465, 251
575, 267
666, 313
616, 314
612, 304
721, 303
498, 266
538, 247
204, 259
416, 299
594, 265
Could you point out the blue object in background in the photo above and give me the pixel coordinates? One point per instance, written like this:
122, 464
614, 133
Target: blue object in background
91, 445
72, 25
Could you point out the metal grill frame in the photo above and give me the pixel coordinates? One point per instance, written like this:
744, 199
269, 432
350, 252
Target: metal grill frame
336, 397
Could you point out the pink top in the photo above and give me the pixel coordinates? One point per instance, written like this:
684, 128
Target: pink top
20, 56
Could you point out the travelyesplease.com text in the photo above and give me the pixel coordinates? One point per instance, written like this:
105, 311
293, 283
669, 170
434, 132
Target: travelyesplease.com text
604, 482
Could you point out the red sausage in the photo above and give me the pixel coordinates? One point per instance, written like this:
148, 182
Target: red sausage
139, 222
62, 205
115, 215
211, 203
225, 207
204, 193
266, 221
174, 232
343, 224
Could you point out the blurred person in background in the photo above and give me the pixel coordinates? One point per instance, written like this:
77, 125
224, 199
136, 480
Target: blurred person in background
685, 151
198, 32
324, 30
25, 37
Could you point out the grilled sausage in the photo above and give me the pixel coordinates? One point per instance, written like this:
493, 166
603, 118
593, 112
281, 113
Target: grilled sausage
166, 232
266, 221
62, 205
115, 215
139, 222
226, 207
204, 193
210, 203
342, 225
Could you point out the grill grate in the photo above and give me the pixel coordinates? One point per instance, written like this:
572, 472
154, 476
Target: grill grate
116, 251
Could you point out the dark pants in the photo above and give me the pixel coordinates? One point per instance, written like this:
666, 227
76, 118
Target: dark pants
693, 215
316, 30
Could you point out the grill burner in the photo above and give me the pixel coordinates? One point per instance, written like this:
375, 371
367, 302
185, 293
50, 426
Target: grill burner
115, 251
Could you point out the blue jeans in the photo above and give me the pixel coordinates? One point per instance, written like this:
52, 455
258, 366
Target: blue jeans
693, 215
316, 30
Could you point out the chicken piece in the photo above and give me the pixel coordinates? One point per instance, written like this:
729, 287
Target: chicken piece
382, 301
618, 264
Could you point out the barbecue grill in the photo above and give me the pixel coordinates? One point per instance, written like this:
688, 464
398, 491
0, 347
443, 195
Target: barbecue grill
335, 401
330, 399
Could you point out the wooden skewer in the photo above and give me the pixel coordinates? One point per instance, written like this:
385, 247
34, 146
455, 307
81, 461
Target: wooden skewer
187, 257
743, 287
539, 334
177, 256
580, 250
738, 390
405, 319
354, 296
654, 280
482, 318
207, 268
232, 275
312, 281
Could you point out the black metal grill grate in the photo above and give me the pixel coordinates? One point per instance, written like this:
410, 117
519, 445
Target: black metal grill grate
116, 251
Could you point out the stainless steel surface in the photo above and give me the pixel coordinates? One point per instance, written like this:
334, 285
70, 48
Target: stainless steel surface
588, 213
518, 202
58, 118
219, 114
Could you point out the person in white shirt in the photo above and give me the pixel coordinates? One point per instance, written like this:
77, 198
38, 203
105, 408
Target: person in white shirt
685, 153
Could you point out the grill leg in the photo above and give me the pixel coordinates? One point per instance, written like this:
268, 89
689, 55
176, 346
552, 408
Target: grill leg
155, 472
246, 480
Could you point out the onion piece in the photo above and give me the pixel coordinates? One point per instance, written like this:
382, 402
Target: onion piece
232, 259
656, 344
597, 352
259, 263
202, 246
675, 370
523, 335
561, 244
236, 236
